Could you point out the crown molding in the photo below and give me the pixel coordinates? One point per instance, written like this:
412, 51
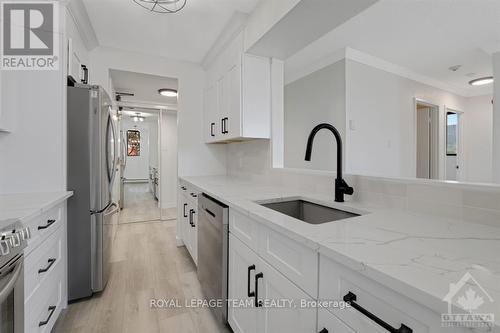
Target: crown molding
78, 13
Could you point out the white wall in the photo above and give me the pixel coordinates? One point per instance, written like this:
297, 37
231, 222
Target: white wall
153, 142
316, 98
195, 157
33, 156
478, 139
381, 106
168, 159
138, 166
496, 118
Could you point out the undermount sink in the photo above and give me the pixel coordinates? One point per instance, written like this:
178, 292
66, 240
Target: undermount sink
309, 212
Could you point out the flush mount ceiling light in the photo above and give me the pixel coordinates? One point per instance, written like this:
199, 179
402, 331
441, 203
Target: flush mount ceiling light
168, 92
481, 81
137, 117
162, 6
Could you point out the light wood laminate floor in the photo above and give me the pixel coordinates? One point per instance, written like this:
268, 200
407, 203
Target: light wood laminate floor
146, 264
140, 205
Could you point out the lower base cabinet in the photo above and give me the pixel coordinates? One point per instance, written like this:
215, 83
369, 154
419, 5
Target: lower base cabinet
265, 300
329, 323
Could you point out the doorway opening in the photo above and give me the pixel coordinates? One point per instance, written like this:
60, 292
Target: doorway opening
427, 140
453, 143
148, 139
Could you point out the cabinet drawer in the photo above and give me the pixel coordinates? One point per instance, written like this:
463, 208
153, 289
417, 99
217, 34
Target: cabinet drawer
294, 260
44, 225
41, 264
244, 228
336, 281
43, 308
328, 323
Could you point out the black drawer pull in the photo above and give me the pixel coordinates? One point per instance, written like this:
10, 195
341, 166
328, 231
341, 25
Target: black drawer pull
258, 276
183, 188
46, 321
209, 212
250, 293
49, 223
51, 262
194, 195
324, 330
184, 210
351, 299
191, 213
212, 126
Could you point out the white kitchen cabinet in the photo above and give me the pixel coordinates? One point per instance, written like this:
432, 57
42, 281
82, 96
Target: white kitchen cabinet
45, 270
242, 270
257, 285
75, 68
188, 219
328, 323
291, 318
238, 96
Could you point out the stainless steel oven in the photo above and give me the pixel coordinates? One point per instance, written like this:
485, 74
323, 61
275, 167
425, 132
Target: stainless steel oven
13, 240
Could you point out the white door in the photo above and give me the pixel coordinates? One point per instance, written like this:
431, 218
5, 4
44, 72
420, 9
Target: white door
242, 269
273, 286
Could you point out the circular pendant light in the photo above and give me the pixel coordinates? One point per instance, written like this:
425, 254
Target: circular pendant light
481, 81
162, 6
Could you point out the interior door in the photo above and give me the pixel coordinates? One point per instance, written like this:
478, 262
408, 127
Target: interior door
452, 145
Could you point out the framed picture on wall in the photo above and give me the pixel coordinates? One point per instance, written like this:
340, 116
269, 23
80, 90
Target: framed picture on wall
133, 143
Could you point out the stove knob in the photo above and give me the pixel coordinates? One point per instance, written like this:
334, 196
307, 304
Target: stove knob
4, 247
15, 239
26, 233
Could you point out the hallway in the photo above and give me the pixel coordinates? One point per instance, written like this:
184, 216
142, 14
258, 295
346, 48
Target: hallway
152, 268
140, 205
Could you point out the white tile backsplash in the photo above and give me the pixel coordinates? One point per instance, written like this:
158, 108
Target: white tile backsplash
472, 203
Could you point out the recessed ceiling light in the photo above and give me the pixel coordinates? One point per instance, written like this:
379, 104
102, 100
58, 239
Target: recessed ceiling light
481, 81
168, 92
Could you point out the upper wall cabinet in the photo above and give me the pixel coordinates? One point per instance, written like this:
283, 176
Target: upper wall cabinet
237, 96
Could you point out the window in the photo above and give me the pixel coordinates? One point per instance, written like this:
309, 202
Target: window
451, 133
133, 143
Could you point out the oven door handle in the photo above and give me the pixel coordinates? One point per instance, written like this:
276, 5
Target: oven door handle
7, 289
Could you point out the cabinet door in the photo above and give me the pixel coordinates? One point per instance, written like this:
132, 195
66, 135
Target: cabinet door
328, 323
221, 111
233, 117
243, 316
182, 215
275, 287
211, 121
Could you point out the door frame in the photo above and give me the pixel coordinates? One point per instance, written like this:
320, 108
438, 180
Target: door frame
160, 109
438, 159
460, 141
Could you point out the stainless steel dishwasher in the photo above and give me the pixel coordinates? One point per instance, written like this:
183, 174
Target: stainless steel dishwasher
213, 241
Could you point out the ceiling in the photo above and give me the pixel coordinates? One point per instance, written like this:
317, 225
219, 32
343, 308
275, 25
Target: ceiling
144, 86
186, 35
425, 36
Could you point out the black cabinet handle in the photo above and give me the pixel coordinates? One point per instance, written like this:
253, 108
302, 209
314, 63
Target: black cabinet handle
51, 262
212, 127
49, 223
194, 195
191, 213
258, 276
85, 79
222, 125
183, 188
184, 210
224, 122
324, 330
351, 299
250, 293
46, 321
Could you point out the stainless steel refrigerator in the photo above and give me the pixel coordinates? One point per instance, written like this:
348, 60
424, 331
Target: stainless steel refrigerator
92, 164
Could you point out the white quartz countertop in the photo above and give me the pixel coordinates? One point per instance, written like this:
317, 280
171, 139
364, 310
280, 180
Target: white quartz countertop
22, 206
414, 254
